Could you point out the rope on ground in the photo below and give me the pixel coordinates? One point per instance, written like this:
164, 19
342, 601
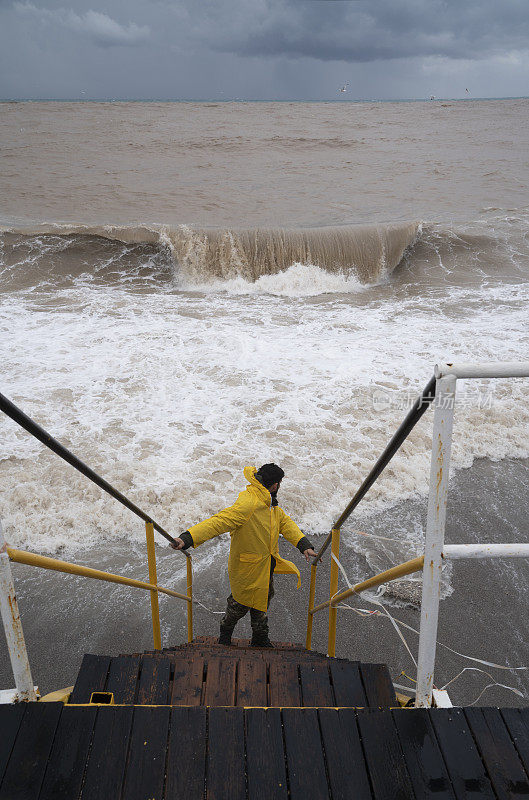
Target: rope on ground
488, 686
396, 622
383, 610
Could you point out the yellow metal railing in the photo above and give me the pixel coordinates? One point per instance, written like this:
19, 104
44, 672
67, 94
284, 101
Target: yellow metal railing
22, 557
335, 598
44, 562
153, 578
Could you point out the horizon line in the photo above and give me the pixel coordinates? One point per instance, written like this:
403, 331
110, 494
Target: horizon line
432, 99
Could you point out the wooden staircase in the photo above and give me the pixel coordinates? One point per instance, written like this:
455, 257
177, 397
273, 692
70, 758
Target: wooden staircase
204, 722
208, 674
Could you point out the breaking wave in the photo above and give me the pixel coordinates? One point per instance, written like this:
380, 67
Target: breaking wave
294, 262
366, 254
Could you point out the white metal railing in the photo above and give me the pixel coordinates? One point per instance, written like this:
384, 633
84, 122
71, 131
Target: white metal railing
435, 549
13, 630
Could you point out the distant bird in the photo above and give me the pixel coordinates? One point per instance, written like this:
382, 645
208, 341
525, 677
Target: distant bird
344, 87
432, 97
466, 90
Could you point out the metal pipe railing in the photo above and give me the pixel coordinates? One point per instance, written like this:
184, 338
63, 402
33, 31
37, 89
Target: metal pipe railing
501, 369
18, 416
54, 564
406, 568
412, 418
312, 592
434, 536
153, 579
333, 588
503, 550
190, 604
442, 389
18, 655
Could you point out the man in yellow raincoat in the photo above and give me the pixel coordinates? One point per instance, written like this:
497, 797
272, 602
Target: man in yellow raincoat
254, 522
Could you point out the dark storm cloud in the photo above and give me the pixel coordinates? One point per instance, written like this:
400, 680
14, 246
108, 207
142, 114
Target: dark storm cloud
360, 31
263, 49
97, 26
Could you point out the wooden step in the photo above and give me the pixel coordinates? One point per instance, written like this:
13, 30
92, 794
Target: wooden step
228, 652
234, 678
202, 648
207, 642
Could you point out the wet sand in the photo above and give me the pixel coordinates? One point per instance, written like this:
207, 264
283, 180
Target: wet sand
65, 616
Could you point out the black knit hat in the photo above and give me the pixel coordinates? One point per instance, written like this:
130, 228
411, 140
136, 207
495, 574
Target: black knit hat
269, 474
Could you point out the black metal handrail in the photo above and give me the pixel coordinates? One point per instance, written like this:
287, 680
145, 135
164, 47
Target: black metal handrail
18, 416
412, 418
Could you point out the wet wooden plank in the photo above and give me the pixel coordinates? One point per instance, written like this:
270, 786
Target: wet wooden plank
347, 684
316, 687
384, 758
284, 684
226, 766
251, 683
524, 713
122, 679
67, 761
186, 689
498, 752
107, 760
144, 778
345, 759
517, 722
92, 677
153, 688
10, 719
422, 754
379, 689
306, 767
29, 757
186, 758
463, 762
265, 758
264, 654
220, 682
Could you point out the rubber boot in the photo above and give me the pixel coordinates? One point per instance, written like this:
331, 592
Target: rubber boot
260, 640
225, 635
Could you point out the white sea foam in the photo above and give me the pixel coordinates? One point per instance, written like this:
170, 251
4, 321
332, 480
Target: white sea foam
299, 280
169, 395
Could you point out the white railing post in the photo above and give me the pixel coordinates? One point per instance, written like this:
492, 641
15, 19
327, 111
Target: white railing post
13, 628
435, 528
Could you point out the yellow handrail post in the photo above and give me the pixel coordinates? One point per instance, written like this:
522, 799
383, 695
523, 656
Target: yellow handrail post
312, 592
155, 609
333, 613
190, 601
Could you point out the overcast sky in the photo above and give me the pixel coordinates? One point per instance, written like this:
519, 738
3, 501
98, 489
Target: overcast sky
263, 49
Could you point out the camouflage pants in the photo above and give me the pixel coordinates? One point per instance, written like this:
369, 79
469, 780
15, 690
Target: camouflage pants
236, 611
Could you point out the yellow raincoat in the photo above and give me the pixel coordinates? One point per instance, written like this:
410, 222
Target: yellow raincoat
254, 526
